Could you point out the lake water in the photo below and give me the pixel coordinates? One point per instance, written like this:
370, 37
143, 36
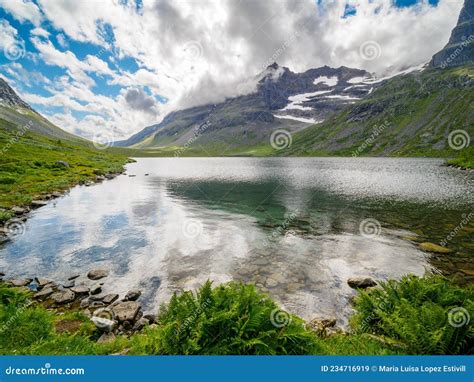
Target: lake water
297, 227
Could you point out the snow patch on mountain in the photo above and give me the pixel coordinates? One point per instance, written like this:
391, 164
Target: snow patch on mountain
329, 81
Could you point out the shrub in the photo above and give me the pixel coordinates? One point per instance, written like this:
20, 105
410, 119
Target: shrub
228, 319
427, 315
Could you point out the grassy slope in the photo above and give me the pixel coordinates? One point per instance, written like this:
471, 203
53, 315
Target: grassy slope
408, 317
28, 165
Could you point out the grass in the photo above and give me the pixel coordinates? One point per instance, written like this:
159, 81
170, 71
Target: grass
465, 159
406, 317
28, 165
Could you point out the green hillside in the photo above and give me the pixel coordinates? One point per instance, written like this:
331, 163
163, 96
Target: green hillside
409, 115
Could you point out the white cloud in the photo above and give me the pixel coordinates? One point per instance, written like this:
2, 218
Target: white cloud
194, 53
8, 35
39, 32
22, 10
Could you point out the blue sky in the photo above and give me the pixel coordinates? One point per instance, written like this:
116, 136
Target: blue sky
113, 68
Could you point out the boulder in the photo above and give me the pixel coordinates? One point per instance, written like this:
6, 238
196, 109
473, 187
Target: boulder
361, 282
62, 163
150, 317
431, 247
41, 282
38, 203
96, 289
44, 293
20, 282
80, 290
97, 274
56, 194
63, 296
19, 210
132, 295
110, 298
126, 310
140, 324
103, 323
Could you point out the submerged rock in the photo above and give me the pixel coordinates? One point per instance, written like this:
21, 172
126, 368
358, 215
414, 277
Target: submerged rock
431, 247
361, 282
110, 298
97, 274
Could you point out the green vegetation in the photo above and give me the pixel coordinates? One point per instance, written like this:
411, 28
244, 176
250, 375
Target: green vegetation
407, 317
29, 168
425, 316
465, 158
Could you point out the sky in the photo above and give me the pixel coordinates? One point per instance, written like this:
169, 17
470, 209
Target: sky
112, 67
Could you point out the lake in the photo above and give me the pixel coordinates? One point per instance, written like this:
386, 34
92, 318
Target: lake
296, 227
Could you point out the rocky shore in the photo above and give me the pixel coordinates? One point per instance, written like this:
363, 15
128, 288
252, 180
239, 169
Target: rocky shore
111, 313
114, 315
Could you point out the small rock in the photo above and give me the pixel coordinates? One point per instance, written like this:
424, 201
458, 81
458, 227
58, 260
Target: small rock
44, 293
150, 317
110, 298
97, 297
103, 323
85, 303
147, 174
96, 304
431, 247
38, 203
97, 274
80, 290
2, 274
41, 282
96, 289
19, 210
271, 282
132, 176
361, 282
126, 310
109, 176
20, 282
87, 313
140, 324
56, 194
132, 295
73, 277
106, 338
63, 296
62, 163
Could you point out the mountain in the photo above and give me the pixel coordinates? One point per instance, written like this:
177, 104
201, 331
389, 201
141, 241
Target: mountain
425, 112
283, 99
460, 48
21, 115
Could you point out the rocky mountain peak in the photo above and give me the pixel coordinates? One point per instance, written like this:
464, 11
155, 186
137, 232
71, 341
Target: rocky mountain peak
460, 48
9, 98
